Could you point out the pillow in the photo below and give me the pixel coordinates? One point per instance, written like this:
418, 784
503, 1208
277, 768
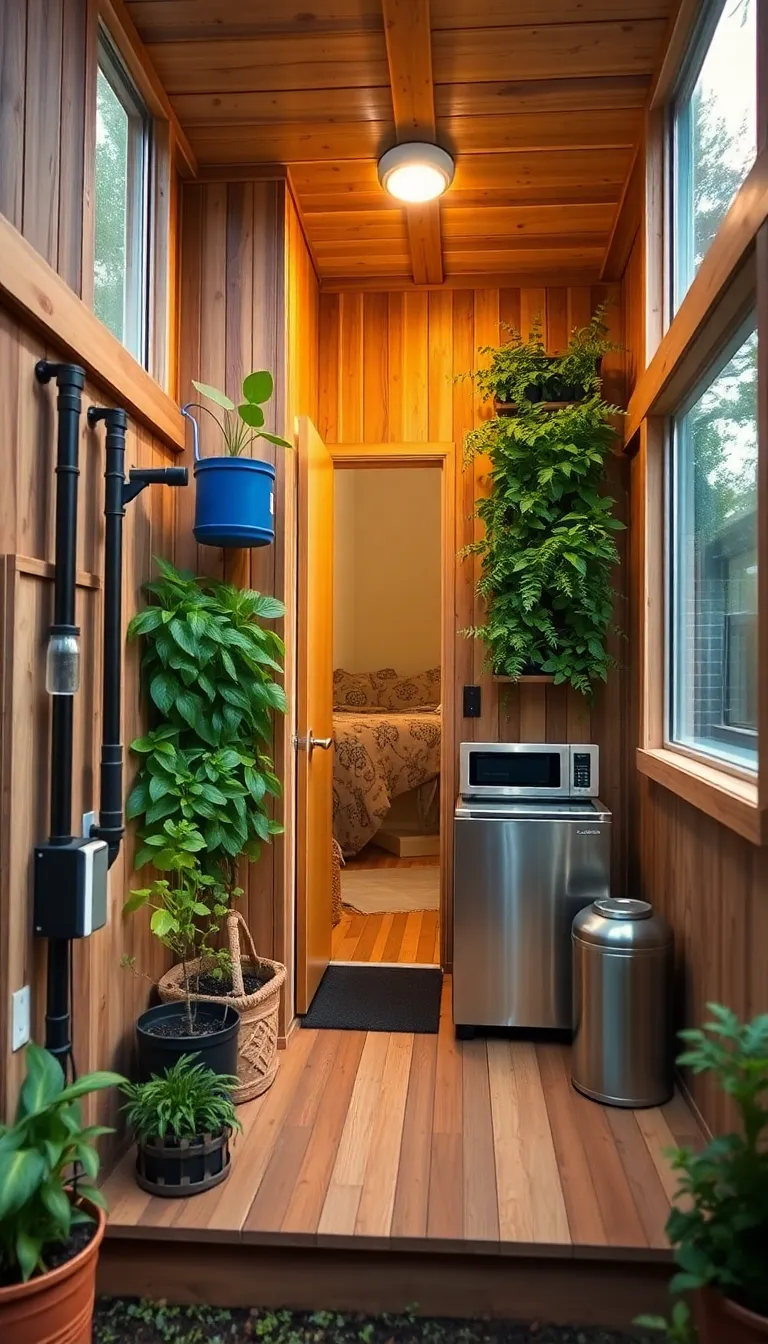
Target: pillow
385, 689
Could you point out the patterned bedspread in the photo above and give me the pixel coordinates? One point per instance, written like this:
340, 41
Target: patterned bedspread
376, 758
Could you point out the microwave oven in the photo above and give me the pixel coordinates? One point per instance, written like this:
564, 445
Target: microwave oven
528, 770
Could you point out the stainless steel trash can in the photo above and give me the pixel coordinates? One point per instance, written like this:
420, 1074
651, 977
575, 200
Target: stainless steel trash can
622, 972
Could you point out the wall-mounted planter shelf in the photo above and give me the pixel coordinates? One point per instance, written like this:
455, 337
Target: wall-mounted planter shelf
527, 680
511, 407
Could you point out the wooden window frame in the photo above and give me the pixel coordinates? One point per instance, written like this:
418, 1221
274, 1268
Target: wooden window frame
731, 281
171, 157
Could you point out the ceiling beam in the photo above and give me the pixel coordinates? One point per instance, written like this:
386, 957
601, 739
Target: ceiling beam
409, 56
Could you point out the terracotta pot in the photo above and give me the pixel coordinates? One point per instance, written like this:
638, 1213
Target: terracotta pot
721, 1321
55, 1308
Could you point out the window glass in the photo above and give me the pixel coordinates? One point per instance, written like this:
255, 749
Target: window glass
121, 242
713, 565
715, 135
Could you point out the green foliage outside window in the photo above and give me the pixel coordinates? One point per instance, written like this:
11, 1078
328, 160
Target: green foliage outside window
548, 547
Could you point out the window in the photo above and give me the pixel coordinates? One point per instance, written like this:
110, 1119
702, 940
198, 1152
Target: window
121, 243
715, 133
712, 528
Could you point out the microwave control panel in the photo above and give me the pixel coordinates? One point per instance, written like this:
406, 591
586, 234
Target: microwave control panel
582, 770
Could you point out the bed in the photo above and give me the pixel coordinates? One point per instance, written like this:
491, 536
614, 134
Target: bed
384, 747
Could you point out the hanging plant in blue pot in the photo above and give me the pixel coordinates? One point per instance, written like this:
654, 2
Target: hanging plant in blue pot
235, 494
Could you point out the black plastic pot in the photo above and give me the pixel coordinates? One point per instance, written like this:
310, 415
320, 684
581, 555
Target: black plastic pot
177, 1168
217, 1048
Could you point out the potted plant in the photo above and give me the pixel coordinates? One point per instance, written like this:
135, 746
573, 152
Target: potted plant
51, 1219
182, 1122
178, 902
720, 1227
548, 547
521, 370
209, 665
235, 495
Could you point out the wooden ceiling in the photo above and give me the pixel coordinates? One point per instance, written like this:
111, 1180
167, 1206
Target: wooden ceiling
540, 101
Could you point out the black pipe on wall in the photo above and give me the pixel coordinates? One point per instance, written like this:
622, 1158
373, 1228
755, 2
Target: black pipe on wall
70, 381
111, 826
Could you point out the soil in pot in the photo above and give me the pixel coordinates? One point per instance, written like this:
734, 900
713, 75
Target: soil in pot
58, 1253
222, 986
163, 1034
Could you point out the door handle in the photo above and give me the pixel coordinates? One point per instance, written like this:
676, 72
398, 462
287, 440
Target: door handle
310, 743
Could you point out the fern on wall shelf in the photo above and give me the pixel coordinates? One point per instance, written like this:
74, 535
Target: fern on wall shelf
548, 547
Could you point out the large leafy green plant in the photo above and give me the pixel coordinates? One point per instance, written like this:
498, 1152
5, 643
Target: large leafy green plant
240, 426
39, 1154
189, 1100
720, 1228
208, 664
548, 547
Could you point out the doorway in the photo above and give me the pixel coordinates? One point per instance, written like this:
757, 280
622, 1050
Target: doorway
387, 710
321, 468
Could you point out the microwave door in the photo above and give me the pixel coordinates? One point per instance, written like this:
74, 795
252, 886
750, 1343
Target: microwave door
515, 770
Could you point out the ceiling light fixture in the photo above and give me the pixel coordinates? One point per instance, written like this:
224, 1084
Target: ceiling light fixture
415, 173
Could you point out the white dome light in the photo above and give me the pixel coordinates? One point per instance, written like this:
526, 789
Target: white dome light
414, 173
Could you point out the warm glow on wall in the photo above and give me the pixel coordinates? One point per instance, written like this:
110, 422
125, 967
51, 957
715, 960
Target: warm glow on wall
415, 173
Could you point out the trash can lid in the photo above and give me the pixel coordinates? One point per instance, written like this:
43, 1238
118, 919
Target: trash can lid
622, 907
622, 924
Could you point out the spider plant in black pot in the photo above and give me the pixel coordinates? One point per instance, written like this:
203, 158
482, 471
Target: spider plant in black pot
182, 1123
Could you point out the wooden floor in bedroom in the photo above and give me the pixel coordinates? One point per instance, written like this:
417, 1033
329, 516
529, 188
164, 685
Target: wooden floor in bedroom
407, 938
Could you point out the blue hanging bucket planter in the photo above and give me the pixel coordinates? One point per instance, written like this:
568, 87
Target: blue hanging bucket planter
234, 498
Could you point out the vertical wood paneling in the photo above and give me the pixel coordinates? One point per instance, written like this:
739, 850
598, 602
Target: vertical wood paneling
106, 1000
429, 340
13, 27
249, 299
42, 150
74, 145
375, 369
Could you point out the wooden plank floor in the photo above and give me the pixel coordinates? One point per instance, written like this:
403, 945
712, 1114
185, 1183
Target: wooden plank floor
424, 1143
407, 938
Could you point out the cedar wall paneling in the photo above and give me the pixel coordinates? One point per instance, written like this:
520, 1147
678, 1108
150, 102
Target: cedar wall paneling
711, 884
46, 137
106, 999
249, 299
388, 363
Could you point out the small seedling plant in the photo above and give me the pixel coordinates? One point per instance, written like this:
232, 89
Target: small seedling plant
241, 425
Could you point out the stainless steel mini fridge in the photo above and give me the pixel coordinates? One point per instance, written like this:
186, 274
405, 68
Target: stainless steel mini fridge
523, 869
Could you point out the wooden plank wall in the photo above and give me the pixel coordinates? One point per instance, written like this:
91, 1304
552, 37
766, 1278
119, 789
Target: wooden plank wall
388, 365
47, 127
106, 999
710, 883
249, 298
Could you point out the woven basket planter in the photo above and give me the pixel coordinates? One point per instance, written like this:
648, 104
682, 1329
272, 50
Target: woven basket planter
257, 1056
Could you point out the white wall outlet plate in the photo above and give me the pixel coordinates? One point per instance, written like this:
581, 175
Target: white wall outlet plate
89, 820
20, 1005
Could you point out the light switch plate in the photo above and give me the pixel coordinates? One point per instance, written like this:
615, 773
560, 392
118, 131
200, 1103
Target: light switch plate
20, 1002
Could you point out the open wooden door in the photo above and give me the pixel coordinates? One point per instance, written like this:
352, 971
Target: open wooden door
314, 775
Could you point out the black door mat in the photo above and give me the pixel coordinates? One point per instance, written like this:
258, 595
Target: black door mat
377, 998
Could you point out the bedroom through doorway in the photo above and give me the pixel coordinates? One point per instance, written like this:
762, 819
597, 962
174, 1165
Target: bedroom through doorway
387, 711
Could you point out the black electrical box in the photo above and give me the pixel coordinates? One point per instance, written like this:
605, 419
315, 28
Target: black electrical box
70, 888
472, 702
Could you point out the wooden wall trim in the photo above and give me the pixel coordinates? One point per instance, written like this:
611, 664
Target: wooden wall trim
726, 798
477, 280
32, 288
123, 31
